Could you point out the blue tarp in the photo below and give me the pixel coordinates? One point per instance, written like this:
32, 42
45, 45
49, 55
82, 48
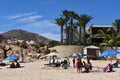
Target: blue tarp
108, 53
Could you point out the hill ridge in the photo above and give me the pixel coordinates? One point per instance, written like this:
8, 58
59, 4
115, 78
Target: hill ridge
24, 35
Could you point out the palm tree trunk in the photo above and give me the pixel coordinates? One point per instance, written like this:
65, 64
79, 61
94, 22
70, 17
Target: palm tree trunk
84, 35
80, 34
61, 34
66, 31
71, 31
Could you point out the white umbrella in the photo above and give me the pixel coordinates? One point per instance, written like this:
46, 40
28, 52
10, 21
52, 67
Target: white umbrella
53, 54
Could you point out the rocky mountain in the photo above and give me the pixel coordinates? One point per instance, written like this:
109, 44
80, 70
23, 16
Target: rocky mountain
24, 35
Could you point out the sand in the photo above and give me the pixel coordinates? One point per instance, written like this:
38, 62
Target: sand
37, 71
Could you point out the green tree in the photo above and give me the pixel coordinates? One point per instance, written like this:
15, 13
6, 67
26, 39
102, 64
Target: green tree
83, 20
60, 22
112, 38
72, 16
77, 24
116, 23
53, 43
65, 14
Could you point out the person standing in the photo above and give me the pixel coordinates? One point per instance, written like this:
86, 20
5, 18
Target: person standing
79, 65
68, 62
73, 62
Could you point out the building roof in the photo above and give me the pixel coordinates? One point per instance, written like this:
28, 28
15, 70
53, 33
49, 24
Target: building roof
102, 26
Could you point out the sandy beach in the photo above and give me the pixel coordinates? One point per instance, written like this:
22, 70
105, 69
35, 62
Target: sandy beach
37, 71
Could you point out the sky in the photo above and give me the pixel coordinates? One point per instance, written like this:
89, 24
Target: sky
38, 16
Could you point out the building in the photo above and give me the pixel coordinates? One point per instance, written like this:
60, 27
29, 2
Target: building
94, 30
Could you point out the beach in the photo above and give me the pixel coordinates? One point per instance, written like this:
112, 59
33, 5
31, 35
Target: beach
37, 71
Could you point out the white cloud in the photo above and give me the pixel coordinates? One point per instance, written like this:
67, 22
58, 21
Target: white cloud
51, 36
21, 15
29, 18
6, 25
30, 22
44, 23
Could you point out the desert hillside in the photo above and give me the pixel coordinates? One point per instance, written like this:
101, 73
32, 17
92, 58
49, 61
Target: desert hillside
24, 35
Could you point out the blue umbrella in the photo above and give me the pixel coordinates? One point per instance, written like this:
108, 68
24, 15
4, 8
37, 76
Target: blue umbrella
12, 57
81, 54
108, 53
70, 55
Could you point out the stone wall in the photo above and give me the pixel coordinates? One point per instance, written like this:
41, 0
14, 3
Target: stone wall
65, 50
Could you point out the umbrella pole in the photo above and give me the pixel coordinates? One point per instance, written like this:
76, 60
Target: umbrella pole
111, 58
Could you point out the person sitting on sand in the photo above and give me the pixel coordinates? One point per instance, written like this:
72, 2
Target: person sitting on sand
89, 64
12, 65
65, 64
115, 65
86, 67
107, 68
17, 64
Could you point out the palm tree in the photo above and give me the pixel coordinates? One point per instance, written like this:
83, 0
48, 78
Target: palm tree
78, 25
111, 37
65, 14
83, 20
60, 22
71, 15
116, 23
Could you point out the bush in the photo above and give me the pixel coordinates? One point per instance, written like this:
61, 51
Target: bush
53, 43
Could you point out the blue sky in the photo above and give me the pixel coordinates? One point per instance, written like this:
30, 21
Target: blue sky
38, 16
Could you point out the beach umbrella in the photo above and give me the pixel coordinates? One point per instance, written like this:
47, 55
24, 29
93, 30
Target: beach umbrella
108, 53
12, 57
6, 61
53, 54
81, 54
74, 55
70, 55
